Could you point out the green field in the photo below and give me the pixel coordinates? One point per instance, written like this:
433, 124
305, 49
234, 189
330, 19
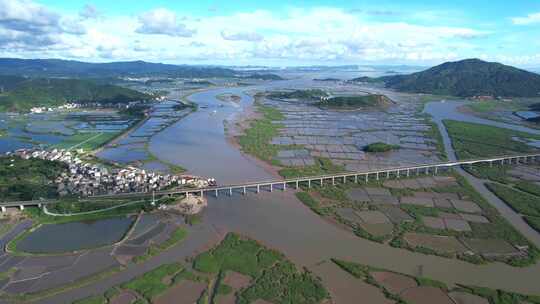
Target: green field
256, 140
151, 284
524, 203
275, 278
86, 141
321, 166
472, 140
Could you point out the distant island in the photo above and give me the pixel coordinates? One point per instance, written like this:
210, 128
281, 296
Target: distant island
466, 78
20, 94
260, 76
327, 79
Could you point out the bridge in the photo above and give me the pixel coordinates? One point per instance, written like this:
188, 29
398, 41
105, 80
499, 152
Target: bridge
321, 180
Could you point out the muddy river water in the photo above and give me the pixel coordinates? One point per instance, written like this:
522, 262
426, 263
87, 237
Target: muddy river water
280, 221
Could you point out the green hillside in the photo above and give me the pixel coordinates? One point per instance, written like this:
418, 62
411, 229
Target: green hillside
467, 78
25, 93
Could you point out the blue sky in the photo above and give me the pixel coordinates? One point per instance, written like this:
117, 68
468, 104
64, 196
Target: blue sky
274, 33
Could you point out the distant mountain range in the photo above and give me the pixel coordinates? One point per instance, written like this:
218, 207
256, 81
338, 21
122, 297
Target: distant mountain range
466, 78
21, 94
78, 69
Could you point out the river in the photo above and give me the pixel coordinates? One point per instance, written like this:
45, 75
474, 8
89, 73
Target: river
440, 111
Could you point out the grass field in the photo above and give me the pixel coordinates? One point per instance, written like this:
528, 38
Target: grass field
151, 284
524, 203
86, 141
322, 166
275, 278
472, 140
534, 222
256, 140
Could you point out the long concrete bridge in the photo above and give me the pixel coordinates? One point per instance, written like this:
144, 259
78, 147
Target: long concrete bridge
321, 180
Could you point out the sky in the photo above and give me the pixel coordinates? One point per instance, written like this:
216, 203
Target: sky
273, 33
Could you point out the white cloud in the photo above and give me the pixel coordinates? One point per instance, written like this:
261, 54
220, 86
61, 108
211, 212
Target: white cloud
297, 36
529, 19
162, 21
89, 12
240, 36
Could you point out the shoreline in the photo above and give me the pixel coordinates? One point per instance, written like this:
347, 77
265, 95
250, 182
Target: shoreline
236, 127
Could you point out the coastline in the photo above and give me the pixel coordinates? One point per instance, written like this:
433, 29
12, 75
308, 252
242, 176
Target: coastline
236, 127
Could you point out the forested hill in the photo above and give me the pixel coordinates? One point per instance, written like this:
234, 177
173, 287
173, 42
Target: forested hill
21, 94
77, 69
467, 78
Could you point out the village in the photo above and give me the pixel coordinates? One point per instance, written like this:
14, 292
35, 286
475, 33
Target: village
86, 179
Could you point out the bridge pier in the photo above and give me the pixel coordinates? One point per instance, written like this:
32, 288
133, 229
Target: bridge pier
271, 187
21, 207
322, 182
408, 173
387, 174
258, 188
356, 179
435, 170
333, 181
309, 183
3, 209
296, 185
202, 193
244, 190
230, 191
397, 173
367, 177
284, 186
216, 193
377, 176
344, 179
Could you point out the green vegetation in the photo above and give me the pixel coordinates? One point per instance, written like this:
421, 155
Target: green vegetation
472, 140
363, 272
495, 173
534, 222
356, 102
380, 147
310, 94
521, 202
276, 279
28, 179
435, 133
86, 141
178, 235
500, 296
256, 140
321, 166
527, 186
151, 284
52, 92
467, 78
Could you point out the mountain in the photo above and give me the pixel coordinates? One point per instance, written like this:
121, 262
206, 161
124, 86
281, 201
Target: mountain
468, 78
78, 69
21, 94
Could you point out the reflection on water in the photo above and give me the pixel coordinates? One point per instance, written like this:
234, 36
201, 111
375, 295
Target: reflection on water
57, 238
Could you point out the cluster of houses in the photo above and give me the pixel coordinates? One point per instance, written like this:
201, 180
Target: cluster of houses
86, 179
67, 106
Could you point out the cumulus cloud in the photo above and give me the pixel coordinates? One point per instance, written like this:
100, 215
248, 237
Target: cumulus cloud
240, 36
29, 26
533, 18
162, 21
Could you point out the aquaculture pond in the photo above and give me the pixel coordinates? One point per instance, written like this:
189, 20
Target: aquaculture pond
58, 238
